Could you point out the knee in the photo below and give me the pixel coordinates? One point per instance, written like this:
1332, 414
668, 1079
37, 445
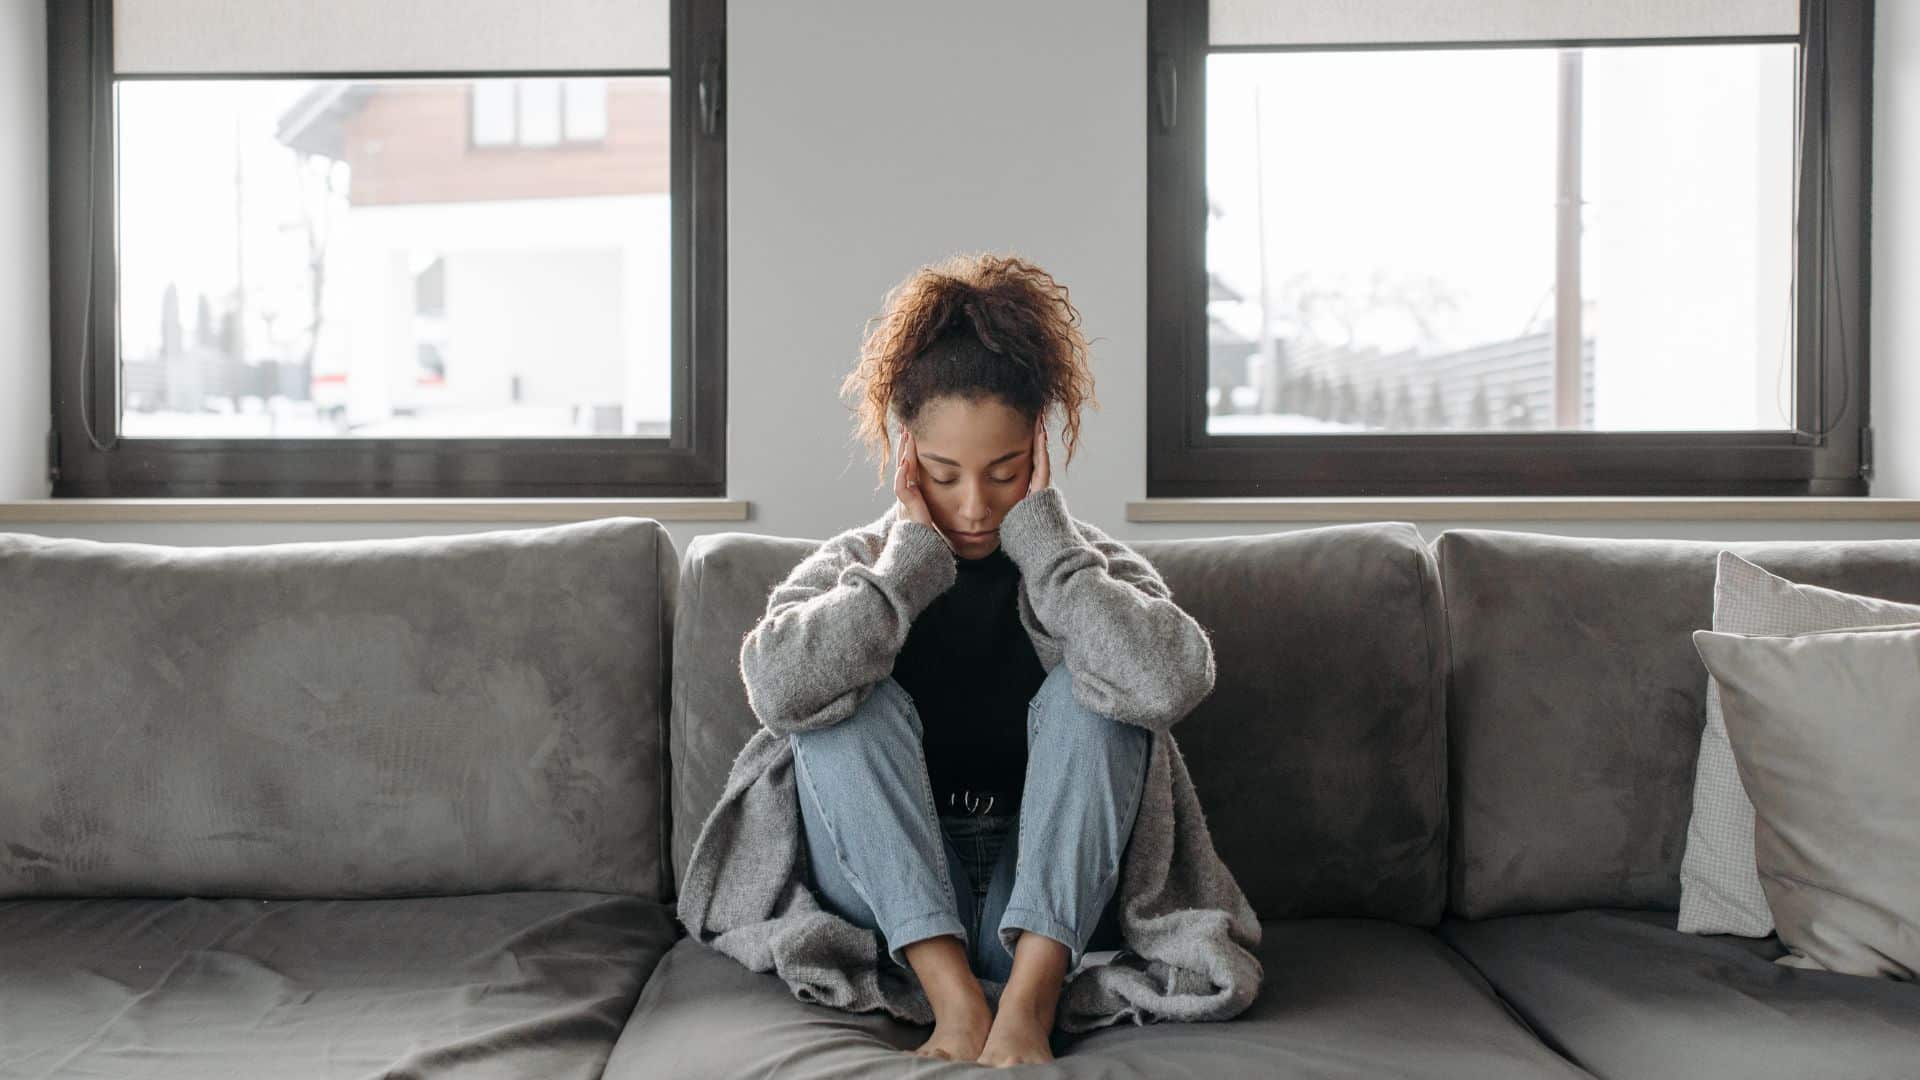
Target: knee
1055, 713
886, 711
1056, 691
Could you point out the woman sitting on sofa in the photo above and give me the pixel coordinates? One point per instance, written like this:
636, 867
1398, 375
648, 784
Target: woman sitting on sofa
964, 770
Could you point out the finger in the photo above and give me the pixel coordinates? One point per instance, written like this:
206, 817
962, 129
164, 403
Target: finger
1043, 467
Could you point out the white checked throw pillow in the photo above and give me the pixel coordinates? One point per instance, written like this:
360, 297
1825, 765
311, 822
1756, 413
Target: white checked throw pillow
1719, 885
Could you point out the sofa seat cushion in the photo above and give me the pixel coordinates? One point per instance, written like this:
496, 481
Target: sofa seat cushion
1625, 994
1343, 997
501, 985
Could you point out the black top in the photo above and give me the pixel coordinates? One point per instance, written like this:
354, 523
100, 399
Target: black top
971, 669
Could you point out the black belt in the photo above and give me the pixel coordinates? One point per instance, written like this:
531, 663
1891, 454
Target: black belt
968, 802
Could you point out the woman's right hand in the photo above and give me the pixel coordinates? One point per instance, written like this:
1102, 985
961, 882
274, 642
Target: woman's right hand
906, 485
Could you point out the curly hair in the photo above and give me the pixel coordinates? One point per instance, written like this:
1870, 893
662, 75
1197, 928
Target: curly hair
978, 327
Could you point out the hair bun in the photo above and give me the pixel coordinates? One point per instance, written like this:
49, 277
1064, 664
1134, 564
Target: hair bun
1015, 311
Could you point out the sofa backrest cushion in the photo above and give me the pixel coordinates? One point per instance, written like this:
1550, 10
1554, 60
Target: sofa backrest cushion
725, 579
419, 716
1577, 701
1319, 756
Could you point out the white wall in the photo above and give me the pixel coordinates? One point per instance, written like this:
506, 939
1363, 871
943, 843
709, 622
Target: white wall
867, 137
1896, 249
25, 392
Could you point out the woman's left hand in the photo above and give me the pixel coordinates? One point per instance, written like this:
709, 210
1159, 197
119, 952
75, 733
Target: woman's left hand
1042, 469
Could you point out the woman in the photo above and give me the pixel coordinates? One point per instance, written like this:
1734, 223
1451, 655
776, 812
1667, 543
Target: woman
969, 700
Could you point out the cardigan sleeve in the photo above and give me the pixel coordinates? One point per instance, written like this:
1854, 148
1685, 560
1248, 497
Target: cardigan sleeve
833, 628
1133, 653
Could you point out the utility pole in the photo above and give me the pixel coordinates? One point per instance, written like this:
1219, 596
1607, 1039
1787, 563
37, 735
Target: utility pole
1270, 364
1569, 344
237, 364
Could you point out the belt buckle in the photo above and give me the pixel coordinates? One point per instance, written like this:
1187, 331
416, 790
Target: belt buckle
975, 804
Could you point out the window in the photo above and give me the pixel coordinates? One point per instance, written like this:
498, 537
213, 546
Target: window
533, 112
495, 112
585, 109
1417, 248
329, 250
539, 112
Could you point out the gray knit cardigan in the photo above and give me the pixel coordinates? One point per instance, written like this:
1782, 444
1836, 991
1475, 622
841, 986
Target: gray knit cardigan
831, 632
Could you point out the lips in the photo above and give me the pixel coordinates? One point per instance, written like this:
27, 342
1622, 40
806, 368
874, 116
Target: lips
974, 536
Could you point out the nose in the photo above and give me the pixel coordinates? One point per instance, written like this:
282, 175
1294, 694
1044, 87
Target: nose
973, 509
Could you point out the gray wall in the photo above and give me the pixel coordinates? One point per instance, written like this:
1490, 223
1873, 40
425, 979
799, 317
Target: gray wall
897, 133
868, 137
1896, 248
23, 249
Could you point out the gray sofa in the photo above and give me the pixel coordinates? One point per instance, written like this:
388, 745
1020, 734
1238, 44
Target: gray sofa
416, 807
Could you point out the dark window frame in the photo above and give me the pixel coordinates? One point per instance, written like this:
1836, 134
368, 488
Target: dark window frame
1830, 349
690, 462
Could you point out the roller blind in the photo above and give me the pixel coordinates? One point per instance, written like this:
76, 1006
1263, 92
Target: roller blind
1355, 22
278, 37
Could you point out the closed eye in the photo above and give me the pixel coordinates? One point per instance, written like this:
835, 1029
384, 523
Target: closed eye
995, 479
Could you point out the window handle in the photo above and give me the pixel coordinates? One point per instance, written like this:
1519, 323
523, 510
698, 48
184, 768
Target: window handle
710, 95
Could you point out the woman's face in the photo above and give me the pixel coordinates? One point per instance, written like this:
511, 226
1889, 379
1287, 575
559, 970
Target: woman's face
976, 458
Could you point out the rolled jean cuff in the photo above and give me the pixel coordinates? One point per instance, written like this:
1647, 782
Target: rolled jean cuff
920, 928
1028, 920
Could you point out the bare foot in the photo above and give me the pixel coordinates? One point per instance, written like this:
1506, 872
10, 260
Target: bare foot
1025, 1017
958, 1034
1019, 1035
961, 1018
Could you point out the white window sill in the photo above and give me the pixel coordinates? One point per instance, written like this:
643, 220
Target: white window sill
1470, 508
365, 510
1222, 511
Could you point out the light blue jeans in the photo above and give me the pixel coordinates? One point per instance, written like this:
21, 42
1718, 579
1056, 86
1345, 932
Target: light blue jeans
883, 858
